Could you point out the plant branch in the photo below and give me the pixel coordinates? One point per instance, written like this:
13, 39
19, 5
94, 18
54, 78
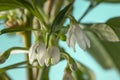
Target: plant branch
12, 66
27, 43
43, 73
90, 7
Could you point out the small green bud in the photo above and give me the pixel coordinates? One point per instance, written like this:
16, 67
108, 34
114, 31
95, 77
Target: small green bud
63, 37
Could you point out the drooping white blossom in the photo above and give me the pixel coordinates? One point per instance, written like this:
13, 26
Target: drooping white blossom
76, 35
38, 51
54, 55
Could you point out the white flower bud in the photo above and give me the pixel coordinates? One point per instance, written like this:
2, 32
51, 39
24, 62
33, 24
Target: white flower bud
68, 76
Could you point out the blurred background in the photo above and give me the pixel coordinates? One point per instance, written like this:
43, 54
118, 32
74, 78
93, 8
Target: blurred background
100, 14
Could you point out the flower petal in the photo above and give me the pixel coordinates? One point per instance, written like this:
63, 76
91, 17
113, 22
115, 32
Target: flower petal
42, 53
73, 42
81, 38
87, 41
54, 54
32, 53
69, 34
71, 39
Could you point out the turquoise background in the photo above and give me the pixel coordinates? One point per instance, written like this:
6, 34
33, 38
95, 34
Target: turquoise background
100, 14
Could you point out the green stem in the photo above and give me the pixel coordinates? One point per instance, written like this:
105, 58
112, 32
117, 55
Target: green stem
27, 43
12, 66
43, 73
16, 67
90, 7
4, 56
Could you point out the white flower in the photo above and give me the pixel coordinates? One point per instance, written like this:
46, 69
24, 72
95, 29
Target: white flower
38, 51
54, 55
68, 76
76, 35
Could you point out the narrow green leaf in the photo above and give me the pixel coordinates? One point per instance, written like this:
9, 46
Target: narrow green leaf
60, 17
9, 4
15, 29
39, 2
4, 56
32, 7
27, 4
110, 1
3, 17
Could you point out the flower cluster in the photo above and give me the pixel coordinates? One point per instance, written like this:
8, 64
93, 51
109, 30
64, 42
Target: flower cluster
43, 55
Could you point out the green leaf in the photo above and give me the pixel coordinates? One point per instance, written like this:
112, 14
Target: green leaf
4, 56
99, 52
114, 23
106, 53
111, 1
39, 2
60, 17
27, 4
32, 7
3, 17
9, 4
114, 51
105, 32
15, 29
